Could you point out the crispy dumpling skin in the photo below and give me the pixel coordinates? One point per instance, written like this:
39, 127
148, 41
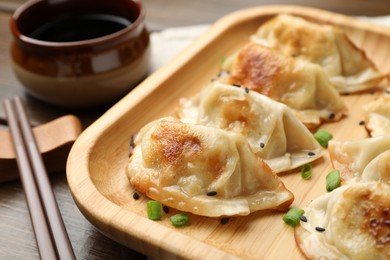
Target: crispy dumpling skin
271, 128
299, 84
347, 66
178, 164
377, 116
352, 157
356, 222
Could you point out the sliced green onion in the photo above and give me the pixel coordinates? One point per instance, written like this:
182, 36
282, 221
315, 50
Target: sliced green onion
179, 220
306, 171
154, 209
222, 61
293, 216
333, 180
323, 137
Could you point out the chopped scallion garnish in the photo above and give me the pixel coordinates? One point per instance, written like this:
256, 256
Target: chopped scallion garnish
222, 61
293, 216
154, 209
333, 180
323, 137
306, 171
179, 220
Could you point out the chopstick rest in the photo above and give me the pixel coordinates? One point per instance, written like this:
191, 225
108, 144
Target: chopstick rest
54, 139
52, 239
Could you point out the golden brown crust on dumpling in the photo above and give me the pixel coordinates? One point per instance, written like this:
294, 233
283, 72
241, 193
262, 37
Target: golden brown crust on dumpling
178, 164
301, 85
261, 70
355, 219
348, 67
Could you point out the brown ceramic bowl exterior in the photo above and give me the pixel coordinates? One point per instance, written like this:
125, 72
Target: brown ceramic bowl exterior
80, 73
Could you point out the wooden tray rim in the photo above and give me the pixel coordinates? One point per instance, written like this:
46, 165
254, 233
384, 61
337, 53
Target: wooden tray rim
78, 174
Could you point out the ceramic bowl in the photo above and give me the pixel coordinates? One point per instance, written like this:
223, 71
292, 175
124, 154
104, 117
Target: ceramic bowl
79, 72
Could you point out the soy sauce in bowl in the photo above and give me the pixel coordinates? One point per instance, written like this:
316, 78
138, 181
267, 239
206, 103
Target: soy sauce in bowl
80, 53
79, 28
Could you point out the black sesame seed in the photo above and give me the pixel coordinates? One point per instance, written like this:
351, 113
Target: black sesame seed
166, 209
311, 153
320, 229
211, 193
135, 196
246, 90
303, 218
237, 85
224, 221
331, 116
361, 122
262, 145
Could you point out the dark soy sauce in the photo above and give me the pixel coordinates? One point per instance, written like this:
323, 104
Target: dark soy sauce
79, 28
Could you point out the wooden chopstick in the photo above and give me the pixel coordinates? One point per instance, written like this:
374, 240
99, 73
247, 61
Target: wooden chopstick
52, 239
41, 230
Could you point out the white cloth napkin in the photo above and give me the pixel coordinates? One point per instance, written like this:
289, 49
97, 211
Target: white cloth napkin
167, 43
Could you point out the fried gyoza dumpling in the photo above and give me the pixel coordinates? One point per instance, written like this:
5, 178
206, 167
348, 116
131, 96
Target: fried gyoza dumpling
352, 157
270, 127
378, 116
378, 169
354, 220
347, 66
203, 170
299, 84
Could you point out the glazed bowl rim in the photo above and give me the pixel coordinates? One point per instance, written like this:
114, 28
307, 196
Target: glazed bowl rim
19, 36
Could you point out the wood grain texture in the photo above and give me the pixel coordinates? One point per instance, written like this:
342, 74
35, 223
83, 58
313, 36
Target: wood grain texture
96, 164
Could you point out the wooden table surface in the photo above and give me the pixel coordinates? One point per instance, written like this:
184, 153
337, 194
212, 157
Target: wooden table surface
16, 235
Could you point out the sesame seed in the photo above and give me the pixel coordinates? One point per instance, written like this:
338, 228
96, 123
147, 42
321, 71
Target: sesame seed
320, 229
303, 218
311, 153
211, 193
237, 85
247, 90
135, 196
166, 209
262, 145
331, 116
224, 221
361, 122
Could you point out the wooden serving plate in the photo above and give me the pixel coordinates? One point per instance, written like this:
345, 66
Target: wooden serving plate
96, 165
